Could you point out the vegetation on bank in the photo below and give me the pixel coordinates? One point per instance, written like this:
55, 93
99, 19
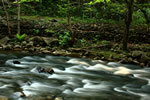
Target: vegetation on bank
93, 24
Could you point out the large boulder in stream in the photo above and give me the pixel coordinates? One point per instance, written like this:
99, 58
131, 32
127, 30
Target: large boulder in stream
48, 70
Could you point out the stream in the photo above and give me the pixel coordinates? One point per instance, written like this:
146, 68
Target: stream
73, 78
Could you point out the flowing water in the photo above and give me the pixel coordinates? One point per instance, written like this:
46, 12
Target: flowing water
74, 78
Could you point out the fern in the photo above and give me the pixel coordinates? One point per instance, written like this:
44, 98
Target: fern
20, 37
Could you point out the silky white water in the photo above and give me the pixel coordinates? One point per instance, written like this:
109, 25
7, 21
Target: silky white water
73, 78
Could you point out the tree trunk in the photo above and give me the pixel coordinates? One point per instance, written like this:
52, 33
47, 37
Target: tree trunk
18, 18
128, 21
7, 18
81, 8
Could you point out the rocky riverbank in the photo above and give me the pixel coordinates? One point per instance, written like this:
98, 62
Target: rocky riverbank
94, 41
108, 52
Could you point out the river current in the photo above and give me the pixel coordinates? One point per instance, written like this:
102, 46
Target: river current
73, 78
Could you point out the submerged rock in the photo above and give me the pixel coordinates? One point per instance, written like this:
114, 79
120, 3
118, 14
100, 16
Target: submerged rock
48, 70
16, 62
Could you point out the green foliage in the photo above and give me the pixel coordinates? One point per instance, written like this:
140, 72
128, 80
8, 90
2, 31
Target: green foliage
22, 1
64, 39
36, 31
96, 38
20, 37
97, 1
138, 18
49, 31
83, 42
104, 42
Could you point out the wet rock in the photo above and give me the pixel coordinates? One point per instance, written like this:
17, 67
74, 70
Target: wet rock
17, 46
46, 51
30, 44
49, 40
61, 52
24, 43
136, 54
16, 62
36, 39
3, 98
31, 49
4, 40
145, 59
41, 98
45, 70
8, 47
58, 98
1, 47
124, 60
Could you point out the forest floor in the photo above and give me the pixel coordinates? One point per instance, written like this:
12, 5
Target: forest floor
92, 40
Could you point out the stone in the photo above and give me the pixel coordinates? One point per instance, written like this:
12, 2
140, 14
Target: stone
136, 54
40, 98
16, 62
49, 40
36, 39
8, 47
30, 44
24, 43
46, 51
4, 40
130, 60
3, 98
17, 46
144, 58
45, 70
61, 52
124, 60
58, 98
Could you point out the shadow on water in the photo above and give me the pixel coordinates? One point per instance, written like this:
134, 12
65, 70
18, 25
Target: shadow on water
73, 78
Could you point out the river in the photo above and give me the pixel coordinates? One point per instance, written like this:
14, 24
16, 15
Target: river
73, 78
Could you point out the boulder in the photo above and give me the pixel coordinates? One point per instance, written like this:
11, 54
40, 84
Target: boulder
4, 40
49, 40
136, 54
144, 58
36, 39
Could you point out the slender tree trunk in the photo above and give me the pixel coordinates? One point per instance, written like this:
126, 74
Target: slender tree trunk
18, 17
7, 17
68, 13
128, 21
81, 8
69, 24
